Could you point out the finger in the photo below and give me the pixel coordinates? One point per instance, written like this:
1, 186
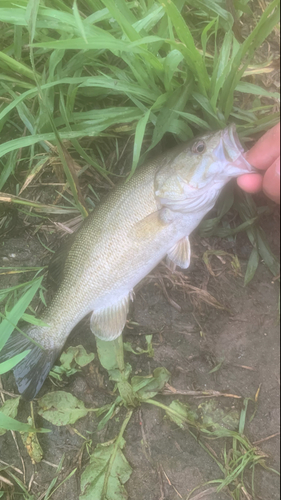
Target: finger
271, 181
251, 183
266, 149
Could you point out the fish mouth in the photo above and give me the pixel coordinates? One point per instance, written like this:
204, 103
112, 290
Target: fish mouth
234, 150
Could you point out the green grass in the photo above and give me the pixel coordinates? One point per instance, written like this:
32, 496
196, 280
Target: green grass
84, 82
111, 65
106, 75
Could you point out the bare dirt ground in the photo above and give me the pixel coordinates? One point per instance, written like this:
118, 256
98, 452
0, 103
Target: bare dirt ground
167, 462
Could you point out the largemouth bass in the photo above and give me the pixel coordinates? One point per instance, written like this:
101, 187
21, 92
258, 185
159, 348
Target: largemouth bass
127, 235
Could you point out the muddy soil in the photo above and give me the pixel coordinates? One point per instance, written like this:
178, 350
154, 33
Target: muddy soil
168, 462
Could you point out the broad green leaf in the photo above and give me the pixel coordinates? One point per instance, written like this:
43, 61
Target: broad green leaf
71, 362
129, 397
61, 408
215, 416
111, 354
93, 478
77, 355
148, 387
106, 354
10, 409
182, 414
118, 375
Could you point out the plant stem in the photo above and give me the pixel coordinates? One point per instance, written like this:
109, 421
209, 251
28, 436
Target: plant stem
113, 456
119, 352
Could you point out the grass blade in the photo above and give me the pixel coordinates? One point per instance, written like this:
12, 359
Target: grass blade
192, 56
16, 66
265, 25
252, 266
11, 424
139, 135
8, 365
13, 316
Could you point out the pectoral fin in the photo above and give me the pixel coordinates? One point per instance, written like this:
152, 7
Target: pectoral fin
154, 223
179, 255
108, 323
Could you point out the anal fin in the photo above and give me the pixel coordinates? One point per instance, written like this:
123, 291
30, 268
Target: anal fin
180, 254
108, 323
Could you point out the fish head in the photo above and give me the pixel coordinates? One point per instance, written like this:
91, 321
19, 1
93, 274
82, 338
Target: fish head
198, 172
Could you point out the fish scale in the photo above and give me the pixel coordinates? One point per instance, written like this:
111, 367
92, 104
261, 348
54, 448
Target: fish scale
139, 223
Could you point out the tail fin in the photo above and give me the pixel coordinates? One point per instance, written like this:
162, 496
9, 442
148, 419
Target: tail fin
32, 371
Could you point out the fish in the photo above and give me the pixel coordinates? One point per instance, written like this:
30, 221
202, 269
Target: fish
135, 227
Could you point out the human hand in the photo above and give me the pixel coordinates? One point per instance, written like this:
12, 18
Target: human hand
265, 156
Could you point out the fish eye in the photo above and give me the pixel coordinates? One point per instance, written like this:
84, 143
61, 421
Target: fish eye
198, 147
